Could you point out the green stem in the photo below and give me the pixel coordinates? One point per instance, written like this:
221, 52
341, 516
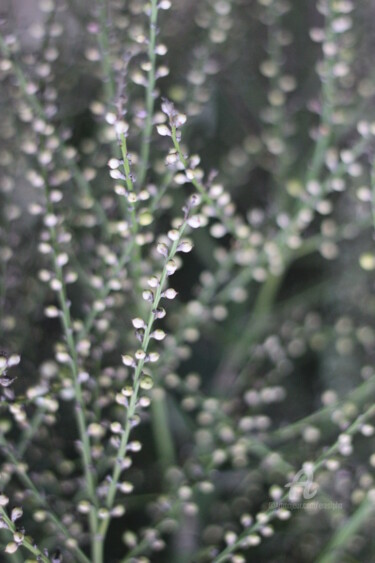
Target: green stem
353, 428
373, 192
30, 431
37, 107
357, 395
150, 100
161, 428
134, 247
26, 543
108, 78
28, 483
328, 93
105, 291
79, 409
136, 385
129, 183
227, 221
334, 551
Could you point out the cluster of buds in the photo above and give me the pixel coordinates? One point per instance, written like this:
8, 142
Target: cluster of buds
176, 120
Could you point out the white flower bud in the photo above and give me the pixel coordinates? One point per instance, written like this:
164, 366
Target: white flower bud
194, 222
140, 354
173, 234
138, 323
18, 537
56, 285
116, 428
163, 130
16, 513
153, 282
114, 163
50, 220
51, 312
84, 507
158, 334
3, 500
162, 249
11, 547
127, 360
153, 357
165, 4
185, 246
14, 360
169, 293
148, 296
195, 200
171, 267
126, 487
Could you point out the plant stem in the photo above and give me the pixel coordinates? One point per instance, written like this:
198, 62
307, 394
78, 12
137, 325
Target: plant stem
108, 78
334, 551
161, 428
105, 291
150, 99
136, 385
26, 543
351, 430
328, 92
227, 221
28, 483
79, 178
373, 193
30, 431
79, 409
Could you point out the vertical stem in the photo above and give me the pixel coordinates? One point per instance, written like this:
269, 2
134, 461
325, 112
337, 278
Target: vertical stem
373, 193
328, 92
150, 101
79, 178
135, 249
74, 366
136, 387
108, 79
161, 429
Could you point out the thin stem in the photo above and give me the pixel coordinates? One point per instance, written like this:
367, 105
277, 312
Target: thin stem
28, 483
105, 291
25, 541
108, 78
373, 193
161, 429
328, 92
150, 97
30, 431
110, 90
136, 383
271, 513
357, 395
74, 366
309, 246
37, 107
79, 410
279, 120
129, 183
334, 551
134, 247
228, 222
